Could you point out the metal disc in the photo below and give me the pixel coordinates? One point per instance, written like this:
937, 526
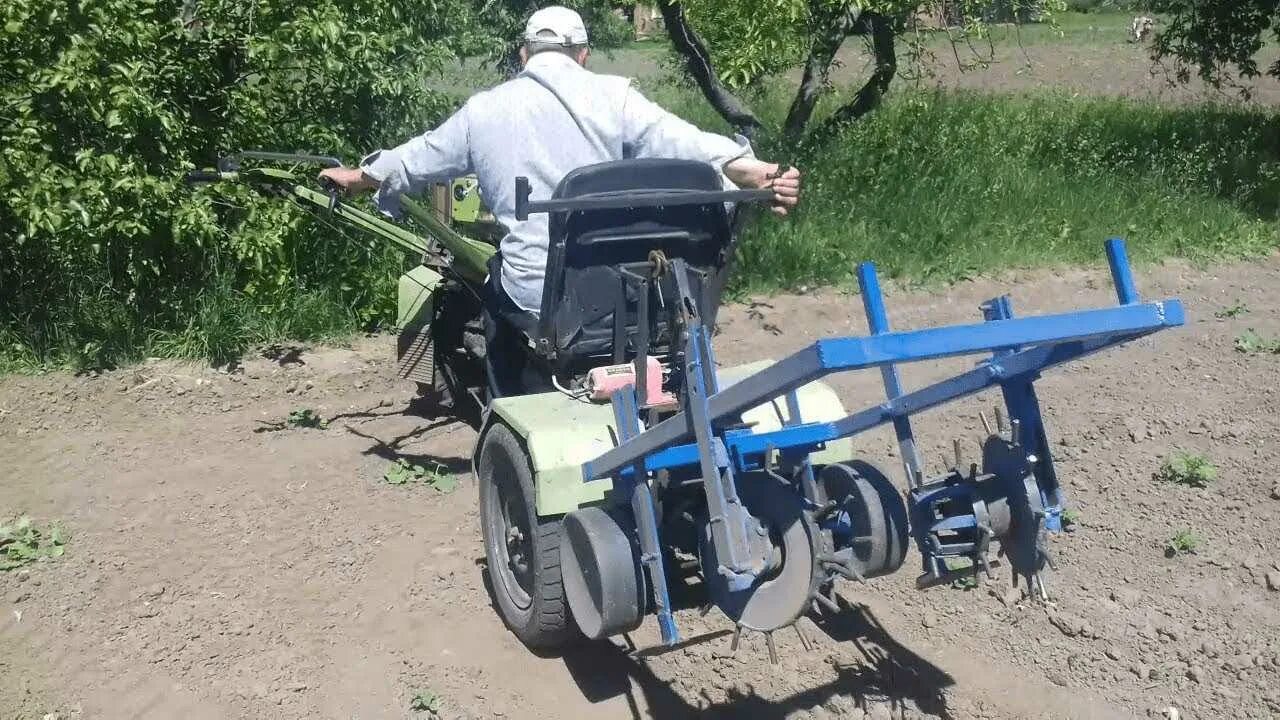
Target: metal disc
1022, 539
601, 572
783, 592
873, 519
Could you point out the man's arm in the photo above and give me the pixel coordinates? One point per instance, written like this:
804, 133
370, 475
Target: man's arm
440, 154
654, 132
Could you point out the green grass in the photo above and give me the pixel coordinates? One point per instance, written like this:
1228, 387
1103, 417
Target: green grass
943, 187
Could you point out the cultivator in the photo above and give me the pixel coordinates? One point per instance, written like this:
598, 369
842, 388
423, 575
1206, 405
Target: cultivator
744, 478
843, 520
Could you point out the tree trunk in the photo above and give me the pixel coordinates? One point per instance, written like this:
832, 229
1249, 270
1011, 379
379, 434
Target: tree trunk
831, 32
884, 49
698, 64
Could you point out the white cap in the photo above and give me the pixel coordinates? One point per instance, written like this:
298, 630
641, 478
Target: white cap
556, 25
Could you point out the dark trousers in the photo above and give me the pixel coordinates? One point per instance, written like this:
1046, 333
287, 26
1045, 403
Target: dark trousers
505, 327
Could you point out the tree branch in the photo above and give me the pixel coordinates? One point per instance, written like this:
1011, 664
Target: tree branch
697, 63
884, 49
831, 30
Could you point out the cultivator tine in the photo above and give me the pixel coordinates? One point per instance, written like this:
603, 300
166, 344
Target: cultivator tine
986, 426
955, 444
999, 420
827, 602
1016, 431
805, 642
737, 638
773, 650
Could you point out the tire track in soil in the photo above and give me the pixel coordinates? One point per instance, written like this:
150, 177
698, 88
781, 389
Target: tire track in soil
215, 571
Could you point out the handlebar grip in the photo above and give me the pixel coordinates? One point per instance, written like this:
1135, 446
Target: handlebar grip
202, 176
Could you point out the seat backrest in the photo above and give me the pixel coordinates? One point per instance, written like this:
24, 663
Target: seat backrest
584, 286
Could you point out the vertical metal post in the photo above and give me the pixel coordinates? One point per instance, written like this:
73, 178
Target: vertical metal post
878, 322
626, 418
1024, 409
1121, 272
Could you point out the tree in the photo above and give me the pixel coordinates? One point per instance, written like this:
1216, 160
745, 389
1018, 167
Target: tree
1216, 37
731, 46
104, 104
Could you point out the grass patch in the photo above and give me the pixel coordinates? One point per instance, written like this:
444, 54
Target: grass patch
1189, 469
944, 187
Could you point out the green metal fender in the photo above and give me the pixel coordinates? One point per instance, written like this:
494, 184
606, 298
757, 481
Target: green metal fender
415, 297
561, 433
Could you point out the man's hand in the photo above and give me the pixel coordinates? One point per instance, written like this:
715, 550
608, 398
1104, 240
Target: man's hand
349, 179
755, 174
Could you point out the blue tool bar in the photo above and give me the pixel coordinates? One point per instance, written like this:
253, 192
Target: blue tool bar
1121, 272
746, 444
839, 354
878, 322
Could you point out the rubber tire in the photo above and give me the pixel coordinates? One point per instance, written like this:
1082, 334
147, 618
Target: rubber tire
546, 624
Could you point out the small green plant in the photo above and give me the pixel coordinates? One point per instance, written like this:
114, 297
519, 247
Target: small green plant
1070, 517
1234, 311
1190, 469
306, 418
21, 543
1251, 343
1185, 541
403, 472
425, 701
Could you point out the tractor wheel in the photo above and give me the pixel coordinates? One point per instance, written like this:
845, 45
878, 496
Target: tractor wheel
523, 550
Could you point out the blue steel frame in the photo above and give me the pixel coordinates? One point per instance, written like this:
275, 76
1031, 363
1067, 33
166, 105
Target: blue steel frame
1021, 348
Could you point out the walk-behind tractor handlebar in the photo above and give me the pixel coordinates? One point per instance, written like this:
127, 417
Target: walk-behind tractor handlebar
468, 257
631, 199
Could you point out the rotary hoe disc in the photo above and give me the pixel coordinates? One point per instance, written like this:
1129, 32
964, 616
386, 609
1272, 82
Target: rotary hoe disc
786, 588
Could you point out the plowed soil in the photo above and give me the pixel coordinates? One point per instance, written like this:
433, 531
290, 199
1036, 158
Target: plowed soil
222, 564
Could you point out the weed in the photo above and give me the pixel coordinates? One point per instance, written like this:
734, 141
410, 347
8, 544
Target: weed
425, 701
1234, 311
1184, 541
1070, 517
306, 418
1186, 468
403, 472
21, 543
1251, 343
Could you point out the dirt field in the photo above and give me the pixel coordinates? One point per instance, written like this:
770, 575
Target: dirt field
221, 568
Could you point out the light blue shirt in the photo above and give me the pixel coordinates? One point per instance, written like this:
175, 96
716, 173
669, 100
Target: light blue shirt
555, 117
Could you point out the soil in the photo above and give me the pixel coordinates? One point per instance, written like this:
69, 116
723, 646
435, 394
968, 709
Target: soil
223, 565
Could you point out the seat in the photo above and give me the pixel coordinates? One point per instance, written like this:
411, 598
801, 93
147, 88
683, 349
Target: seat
585, 293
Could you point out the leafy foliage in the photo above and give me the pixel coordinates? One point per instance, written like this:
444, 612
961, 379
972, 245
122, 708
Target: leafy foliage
1236, 310
1213, 38
1190, 469
1183, 542
104, 104
22, 543
403, 472
1250, 342
306, 418
425, 701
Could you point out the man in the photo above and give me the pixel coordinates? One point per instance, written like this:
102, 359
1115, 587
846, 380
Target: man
555, 117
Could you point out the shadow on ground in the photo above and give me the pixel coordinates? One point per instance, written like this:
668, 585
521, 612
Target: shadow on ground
889, 674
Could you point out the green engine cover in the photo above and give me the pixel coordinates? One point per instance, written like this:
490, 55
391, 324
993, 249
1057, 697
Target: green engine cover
561, 433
